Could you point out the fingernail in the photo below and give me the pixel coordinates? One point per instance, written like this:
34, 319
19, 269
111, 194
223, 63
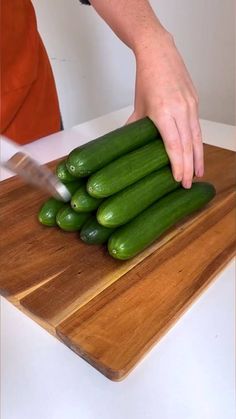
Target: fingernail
200, 173
178, 177
187, 184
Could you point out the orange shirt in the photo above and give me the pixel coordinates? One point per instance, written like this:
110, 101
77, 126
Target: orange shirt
29, 103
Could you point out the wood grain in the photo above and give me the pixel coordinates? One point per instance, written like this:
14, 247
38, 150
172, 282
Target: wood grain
119, 326
59, 281
68, 291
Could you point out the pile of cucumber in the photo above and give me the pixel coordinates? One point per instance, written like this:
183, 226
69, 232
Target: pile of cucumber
123, 191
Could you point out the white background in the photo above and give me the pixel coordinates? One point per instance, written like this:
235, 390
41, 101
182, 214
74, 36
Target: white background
95, 72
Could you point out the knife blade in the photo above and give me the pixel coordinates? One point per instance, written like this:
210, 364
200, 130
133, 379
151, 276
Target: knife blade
32, 172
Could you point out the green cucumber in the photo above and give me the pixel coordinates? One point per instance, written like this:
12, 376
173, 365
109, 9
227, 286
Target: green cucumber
126, 204
73, 186
81, 201
87, 159
132, 238
48, 212
69, 220
93, 233
63, 174
127, 170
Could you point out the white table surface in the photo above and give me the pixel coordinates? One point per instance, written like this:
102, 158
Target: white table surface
189, 374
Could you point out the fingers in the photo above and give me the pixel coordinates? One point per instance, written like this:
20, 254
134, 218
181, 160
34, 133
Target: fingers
169, 132
181, 133
183, 140
197, 145
185, 133
187, 121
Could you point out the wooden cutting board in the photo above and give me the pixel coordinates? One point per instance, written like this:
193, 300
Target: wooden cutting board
112, 312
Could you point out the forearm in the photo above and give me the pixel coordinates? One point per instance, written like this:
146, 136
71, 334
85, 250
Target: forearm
163, 90
133, 21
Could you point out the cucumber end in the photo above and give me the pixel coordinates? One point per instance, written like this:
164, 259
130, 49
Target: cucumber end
94, 189
73, 205
116, 251
92, 192
47, 223
58, 222
83, 237
71, 168
104, 219
113, 252
76, 167
99, 218
116, 255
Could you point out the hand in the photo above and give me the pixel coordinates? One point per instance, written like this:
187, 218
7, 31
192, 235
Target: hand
165, 93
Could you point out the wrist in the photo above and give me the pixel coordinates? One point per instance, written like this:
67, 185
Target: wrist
152, 39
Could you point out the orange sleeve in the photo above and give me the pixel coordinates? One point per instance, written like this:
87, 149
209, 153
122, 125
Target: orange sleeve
29, 102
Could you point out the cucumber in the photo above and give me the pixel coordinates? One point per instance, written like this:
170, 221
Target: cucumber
73, 186
127, 169
85, 160
93, 233
63, 174
126, 204
81, 201
69, 220
130, 239
48, 212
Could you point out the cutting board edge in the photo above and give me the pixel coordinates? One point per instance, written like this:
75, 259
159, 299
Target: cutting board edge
121, 374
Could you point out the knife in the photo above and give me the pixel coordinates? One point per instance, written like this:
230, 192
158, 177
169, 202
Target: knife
32, 172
